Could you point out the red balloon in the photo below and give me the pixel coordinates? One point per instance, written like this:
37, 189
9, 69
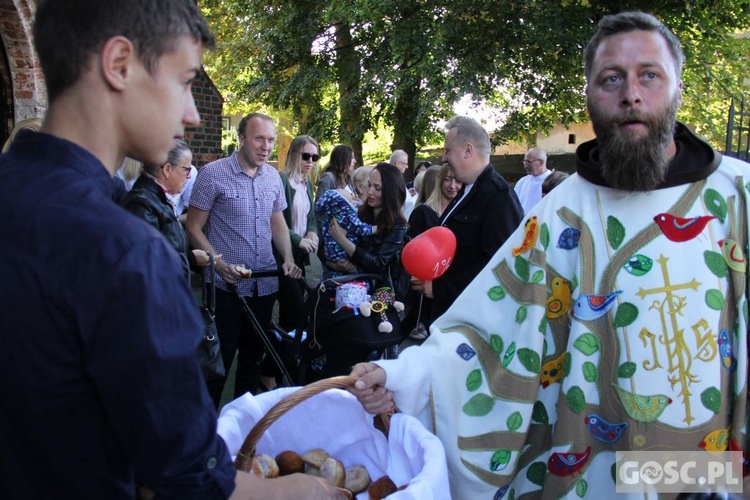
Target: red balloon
429, 255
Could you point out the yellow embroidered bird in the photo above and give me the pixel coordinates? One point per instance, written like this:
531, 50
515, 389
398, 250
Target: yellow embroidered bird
733, 255
558, 303
716, 441
552, 371
642, 408
530, 235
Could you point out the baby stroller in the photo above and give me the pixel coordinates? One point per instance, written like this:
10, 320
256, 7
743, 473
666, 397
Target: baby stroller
338, 338
331, 340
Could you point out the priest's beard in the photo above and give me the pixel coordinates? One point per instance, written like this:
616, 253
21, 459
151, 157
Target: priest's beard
630, 163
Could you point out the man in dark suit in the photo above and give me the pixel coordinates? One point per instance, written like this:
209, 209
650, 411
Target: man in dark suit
482, 216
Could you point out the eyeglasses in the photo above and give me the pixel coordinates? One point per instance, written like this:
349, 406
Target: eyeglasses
308, 156
529, 162
184, 169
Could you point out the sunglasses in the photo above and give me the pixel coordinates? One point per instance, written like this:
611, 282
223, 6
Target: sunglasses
308, 157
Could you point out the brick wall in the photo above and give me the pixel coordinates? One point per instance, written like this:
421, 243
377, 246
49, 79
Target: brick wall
26, 96
205, 140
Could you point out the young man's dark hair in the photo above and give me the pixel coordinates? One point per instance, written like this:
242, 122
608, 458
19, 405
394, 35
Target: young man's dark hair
67, 33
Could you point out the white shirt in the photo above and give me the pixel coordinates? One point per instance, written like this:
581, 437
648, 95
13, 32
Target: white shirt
529, 189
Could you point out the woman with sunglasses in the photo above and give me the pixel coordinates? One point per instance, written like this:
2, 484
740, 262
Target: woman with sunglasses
300, 218
150, 199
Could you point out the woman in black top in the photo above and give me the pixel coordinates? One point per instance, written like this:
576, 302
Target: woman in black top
380, 253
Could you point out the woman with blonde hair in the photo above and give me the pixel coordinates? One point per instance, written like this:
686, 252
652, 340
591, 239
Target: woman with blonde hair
300, 218
425, 216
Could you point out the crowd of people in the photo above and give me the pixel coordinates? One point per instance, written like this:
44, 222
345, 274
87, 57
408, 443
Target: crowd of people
526, 340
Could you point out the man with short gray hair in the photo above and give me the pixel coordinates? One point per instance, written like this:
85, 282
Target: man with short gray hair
529, 187
482, 215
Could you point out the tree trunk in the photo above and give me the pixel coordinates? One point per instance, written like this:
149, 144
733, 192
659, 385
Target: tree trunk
350, 101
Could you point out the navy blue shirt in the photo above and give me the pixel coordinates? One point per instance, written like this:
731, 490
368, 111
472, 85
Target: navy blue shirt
100, 386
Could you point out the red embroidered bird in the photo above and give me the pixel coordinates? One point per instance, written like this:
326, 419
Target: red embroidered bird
565, 464
680, 229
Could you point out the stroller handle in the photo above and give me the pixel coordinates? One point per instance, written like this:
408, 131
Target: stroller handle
265, 273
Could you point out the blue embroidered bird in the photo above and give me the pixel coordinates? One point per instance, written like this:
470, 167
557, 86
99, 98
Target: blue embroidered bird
604, 431
728, 358
642, 408
589, 307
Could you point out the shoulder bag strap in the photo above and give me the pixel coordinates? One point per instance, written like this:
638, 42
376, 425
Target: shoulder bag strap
211, 303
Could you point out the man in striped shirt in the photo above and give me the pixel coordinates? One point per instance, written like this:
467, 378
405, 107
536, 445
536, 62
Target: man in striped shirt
236, 214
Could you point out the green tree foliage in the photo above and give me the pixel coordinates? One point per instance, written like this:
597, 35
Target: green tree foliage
340, 68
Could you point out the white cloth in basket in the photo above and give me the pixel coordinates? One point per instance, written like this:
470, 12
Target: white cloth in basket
335, 421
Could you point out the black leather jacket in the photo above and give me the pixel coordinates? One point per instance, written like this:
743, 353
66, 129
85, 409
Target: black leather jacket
380, 254
148, 201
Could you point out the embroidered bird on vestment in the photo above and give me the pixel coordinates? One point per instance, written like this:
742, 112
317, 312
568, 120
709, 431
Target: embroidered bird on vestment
530, 235
642, 408
726, 351
552, 371
733, 255
559, 302
680, 229
565, 464
604, 431
716, 441
590, 307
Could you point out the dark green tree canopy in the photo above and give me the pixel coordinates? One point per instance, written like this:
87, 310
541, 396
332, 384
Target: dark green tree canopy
341, 67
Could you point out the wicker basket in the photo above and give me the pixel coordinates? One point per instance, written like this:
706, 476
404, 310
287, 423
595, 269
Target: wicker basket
247, 450
245, 421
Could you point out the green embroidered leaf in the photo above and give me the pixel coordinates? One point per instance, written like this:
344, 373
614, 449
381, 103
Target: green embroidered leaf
512, 494
639, 265
515, 421
499, 460
521, 314
567, 364
536, 472
625, 315
714, 299
537, 277
716, 204
544, 348
575, 399
522, 268
496, 342
529, 359
543, 324
612, 471
588, 343
574, 283
496, 293
590, 373
544, 235
479, 405
626, 370
581, 488
539, 413
474, 380
509, 353
711, 399
615, 232
716, 263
